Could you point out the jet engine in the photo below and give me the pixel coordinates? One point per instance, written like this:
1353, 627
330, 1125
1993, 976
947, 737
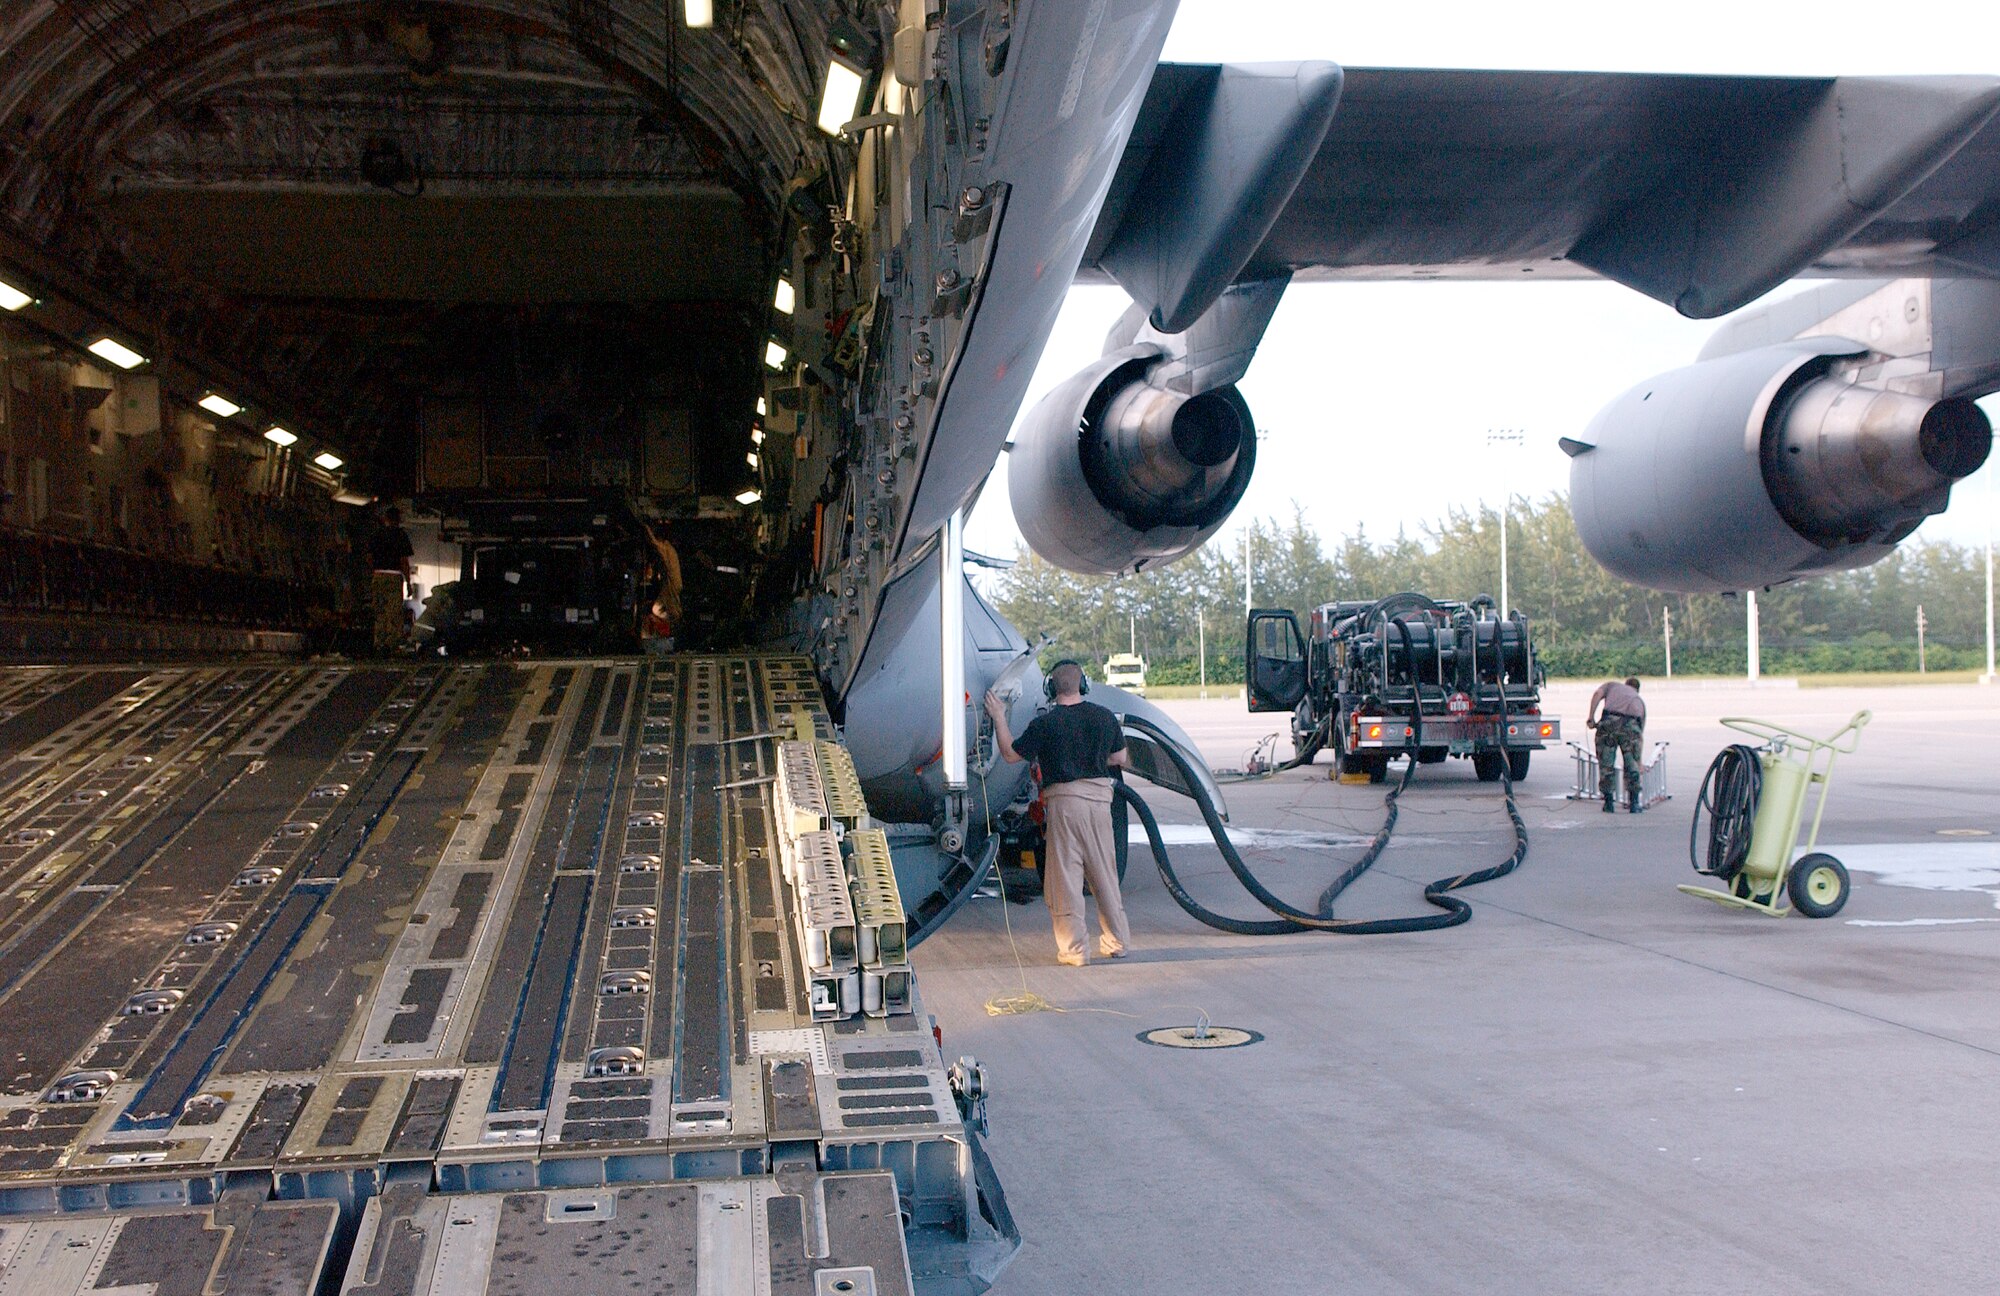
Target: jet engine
1112, 471
1761, 467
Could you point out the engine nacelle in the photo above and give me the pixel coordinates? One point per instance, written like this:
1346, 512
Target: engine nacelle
1111, 472
1764, 466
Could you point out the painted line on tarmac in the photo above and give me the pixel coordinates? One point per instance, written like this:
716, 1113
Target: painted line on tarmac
1917, 922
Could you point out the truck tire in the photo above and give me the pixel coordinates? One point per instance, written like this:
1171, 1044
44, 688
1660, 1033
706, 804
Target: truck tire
1378, 768
1517, 765
1487, 766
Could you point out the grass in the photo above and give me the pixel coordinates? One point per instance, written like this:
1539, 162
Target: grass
1182, 692
1881, 679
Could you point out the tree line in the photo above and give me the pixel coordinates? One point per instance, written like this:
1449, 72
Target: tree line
1585, 621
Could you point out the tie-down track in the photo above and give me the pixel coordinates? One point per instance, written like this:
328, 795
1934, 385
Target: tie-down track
421, 981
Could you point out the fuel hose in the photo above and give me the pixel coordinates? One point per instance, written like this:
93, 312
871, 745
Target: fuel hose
1719, 836
1290, 918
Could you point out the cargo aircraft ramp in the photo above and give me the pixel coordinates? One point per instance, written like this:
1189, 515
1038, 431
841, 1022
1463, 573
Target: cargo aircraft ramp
454, 979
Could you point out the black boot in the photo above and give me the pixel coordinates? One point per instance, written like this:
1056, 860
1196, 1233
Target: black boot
1632, 803
1608, 807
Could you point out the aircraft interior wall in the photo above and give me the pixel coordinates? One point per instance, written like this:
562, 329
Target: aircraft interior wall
120, 502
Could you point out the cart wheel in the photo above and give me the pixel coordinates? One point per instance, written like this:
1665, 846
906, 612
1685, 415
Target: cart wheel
1818, 886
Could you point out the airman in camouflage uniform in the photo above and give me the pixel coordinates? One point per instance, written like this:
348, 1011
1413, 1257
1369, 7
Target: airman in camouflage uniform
1619, 718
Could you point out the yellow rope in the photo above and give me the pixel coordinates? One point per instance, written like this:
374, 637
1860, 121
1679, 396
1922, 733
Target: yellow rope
1027, 1001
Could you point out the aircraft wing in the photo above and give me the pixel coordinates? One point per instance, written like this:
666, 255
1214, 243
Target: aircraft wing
1703, 192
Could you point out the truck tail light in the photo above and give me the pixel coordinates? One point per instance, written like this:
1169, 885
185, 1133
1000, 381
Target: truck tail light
1374, 731
1548, 730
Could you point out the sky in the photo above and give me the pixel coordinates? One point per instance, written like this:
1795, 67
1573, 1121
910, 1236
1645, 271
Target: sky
1360, 382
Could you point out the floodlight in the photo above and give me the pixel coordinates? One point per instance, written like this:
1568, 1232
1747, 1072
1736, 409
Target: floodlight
840, 103
700, 13
756, 436
12, 298
751, 458
278, 436
328, 460
117, 353
774, 355
750, 497
220, 406
783, 300
761, 411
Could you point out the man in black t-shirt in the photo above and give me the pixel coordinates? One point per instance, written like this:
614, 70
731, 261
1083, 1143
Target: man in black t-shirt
1077, 744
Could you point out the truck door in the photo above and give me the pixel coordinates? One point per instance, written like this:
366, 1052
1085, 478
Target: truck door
1274, 660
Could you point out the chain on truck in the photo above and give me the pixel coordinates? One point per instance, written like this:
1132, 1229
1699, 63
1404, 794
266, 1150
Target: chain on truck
1355, 683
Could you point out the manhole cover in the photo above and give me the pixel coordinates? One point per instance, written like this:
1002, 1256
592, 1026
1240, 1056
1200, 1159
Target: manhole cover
1965, 832
1199, 1037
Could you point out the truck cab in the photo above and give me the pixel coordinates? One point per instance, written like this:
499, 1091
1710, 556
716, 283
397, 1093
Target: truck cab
1126, 671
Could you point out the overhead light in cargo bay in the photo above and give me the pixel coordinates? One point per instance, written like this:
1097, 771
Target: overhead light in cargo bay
751, 458
840, 102
12, 298
756, 436
761, 410
220, 406
328, 460
750, 497
117, 353
700, 13
278, 436
774, 355
783, 299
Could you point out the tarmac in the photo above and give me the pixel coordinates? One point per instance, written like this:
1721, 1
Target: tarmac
1598, 1084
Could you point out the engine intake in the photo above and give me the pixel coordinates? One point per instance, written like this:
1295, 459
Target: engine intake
1112, 473
1762, 467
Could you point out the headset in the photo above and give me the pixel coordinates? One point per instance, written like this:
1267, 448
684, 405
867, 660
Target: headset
1049, 680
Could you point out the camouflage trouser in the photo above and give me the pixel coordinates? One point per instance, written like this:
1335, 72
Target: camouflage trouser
1616, 735
386, 592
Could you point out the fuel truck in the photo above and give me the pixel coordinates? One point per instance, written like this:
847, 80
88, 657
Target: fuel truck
1374, 679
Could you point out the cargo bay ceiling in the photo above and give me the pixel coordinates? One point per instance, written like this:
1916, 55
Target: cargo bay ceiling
351, 205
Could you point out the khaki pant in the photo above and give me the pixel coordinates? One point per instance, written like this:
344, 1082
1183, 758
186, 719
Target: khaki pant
386, 588
1080, 847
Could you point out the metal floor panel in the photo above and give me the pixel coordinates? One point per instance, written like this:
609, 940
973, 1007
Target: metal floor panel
453, 961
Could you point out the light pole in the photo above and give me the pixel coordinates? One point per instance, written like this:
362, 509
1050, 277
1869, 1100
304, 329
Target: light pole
1201, 645
1756, 649
1920, 639
1667, 630
1246, 570
1511, 438
1991, 473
